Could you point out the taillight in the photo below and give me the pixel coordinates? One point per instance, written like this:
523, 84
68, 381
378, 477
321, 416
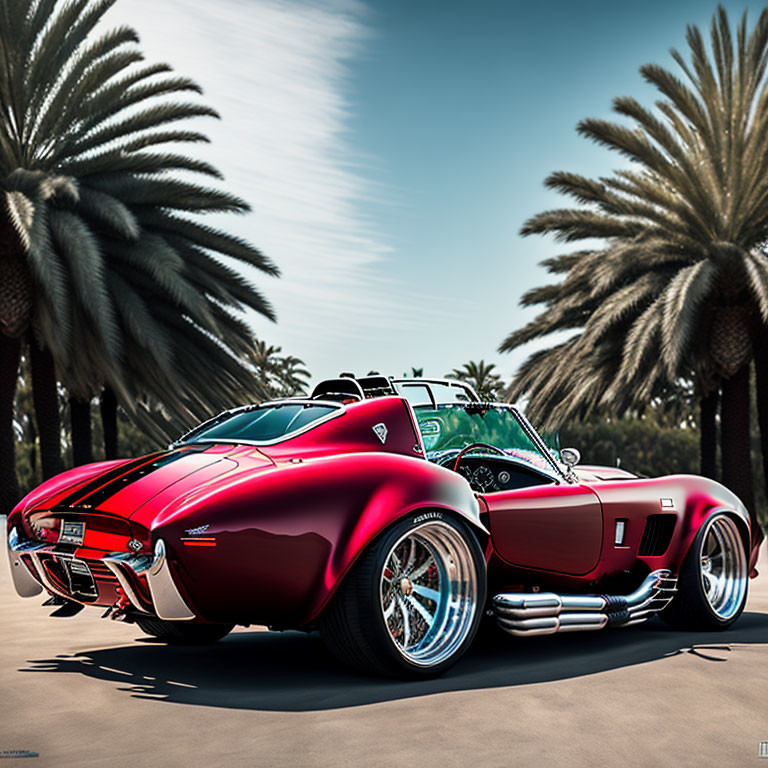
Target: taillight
44, 528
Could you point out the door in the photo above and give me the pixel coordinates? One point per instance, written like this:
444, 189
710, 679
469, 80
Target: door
547, 527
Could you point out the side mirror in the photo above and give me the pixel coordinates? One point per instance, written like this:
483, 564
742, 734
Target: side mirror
570, 457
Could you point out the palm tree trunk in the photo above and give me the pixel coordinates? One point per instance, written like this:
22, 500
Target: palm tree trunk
10, 354
45, 394
761, 376
708, 434
80, 420
109, 422
734, 439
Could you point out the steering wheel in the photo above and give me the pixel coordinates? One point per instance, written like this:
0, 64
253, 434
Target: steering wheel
475, 447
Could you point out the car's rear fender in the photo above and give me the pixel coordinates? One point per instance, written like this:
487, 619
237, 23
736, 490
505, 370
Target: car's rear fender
284, 541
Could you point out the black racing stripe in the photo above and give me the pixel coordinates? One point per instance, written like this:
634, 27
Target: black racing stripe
107, 477
105, 490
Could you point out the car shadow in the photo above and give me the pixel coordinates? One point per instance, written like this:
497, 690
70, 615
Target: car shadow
293, 672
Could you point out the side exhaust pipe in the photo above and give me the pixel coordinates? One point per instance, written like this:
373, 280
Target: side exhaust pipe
545, 613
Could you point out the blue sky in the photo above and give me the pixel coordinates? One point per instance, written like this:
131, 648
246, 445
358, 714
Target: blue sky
392, 149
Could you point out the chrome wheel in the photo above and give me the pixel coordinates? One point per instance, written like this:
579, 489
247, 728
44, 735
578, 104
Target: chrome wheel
723, 566
429, 593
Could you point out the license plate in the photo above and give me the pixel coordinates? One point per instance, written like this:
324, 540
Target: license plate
72, 533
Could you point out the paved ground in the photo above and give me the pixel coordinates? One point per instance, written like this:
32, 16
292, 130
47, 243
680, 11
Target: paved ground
85, 692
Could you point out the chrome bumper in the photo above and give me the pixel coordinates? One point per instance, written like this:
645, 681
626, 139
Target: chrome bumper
545, 613
24, 582
166, 598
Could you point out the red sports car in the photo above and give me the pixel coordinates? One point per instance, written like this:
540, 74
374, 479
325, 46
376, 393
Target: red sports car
392, 515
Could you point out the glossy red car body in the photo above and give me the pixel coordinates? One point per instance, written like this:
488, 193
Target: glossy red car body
265, 534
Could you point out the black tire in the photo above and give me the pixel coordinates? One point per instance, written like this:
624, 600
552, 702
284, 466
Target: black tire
354, 626
183, 633
692, 608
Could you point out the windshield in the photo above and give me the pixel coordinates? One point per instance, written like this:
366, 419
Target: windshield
449, 428
260, 424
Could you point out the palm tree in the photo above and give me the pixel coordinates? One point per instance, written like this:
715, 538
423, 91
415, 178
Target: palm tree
680, 288
264, 360
292, 376
9, 357
104, 265
481, 377
577, 379
26, 430
279, 375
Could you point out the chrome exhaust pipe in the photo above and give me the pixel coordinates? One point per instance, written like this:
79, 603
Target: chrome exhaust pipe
546, 613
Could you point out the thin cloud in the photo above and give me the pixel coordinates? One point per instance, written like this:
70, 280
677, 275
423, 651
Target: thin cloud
278, 73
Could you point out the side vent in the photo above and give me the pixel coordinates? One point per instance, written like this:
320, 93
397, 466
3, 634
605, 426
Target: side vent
657, 535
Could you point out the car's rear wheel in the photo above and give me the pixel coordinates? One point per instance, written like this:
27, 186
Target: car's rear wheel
712, 587
412, 604
183, 633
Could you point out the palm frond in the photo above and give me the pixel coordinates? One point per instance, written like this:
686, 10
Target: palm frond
682, 231
129, 289
81, 252
107, 213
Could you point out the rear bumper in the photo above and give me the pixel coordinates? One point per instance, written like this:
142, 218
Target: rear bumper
92, 577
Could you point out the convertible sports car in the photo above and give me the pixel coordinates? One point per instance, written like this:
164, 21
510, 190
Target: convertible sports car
392, 515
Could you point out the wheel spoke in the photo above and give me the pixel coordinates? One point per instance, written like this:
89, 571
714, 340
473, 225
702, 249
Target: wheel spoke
430, 594
389, 610
710, 584
411, 556
423, 568
422, 611
406, 622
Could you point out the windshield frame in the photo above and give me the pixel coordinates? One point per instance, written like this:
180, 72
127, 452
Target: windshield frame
188, 437
406, 383
526, 426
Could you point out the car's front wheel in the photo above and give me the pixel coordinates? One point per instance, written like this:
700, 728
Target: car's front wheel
183, 633
712, 587
412, 604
